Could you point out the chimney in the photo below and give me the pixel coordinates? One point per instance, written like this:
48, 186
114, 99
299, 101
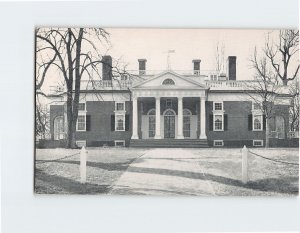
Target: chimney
106, 67
196, 66
142, 66
232, 67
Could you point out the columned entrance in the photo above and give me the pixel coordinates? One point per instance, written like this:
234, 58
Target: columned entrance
169, 124
171, 107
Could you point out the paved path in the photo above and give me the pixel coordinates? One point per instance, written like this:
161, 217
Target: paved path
164, 172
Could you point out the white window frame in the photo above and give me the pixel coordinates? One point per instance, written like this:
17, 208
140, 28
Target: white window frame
116, 122
84, 107
120, 102
117, 141
80, 141
261, 142
219, 102
81, 130
214, 126
216, 141
261, 121
253, 104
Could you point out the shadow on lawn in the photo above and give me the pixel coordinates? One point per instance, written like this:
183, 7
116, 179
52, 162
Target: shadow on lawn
284, 185
67, 185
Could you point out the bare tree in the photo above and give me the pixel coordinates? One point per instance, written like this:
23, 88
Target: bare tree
294, 109
220, 57
280, 54
42, 115
263, 91
74, 52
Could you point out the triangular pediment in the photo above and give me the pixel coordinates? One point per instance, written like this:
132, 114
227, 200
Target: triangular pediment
169, 80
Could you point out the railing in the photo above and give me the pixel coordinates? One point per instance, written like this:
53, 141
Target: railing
280, 135
106, 85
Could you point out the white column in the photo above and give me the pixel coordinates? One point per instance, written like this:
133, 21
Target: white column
157, 118
202, 119
135, 134
180, 119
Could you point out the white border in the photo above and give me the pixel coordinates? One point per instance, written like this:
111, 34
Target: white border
93, 213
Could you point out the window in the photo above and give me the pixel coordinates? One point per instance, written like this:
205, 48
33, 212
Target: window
119, 143
218, 143
120, 106
218, 106
218, 123
151, 115
168, 81
59, 128
120, 122
256, 106
81, 107
169, 103
80, 143
258, 142
257, 122
81, 123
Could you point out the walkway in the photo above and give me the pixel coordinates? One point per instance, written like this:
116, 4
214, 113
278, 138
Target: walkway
164, 172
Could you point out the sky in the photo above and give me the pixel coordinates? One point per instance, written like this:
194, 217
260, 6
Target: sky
189, 44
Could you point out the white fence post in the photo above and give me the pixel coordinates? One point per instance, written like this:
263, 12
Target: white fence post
83, 155
245, 165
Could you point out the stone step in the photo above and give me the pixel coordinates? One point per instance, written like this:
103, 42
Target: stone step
169, 143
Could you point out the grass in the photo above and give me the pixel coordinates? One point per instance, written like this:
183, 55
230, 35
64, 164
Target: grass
221, 168
104, 167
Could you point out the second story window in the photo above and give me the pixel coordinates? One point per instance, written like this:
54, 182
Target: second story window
120, 106
218, 106
81, 107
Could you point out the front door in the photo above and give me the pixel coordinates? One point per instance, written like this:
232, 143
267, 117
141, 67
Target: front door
169, 126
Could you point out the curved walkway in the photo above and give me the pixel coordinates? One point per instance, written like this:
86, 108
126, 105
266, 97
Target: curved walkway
164, 172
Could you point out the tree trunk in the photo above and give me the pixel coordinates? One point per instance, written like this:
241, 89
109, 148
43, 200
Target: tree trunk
284, 82
69, 120
267, 134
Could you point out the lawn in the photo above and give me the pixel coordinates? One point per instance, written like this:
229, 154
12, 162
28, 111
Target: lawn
104, 167
220, 167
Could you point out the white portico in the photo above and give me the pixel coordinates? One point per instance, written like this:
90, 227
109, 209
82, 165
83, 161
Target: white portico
168, 106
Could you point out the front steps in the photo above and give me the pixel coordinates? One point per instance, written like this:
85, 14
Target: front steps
169, 143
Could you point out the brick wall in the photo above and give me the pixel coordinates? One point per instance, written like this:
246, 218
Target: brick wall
237, 133
100, 124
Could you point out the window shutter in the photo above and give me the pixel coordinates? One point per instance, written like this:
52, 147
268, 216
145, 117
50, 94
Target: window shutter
211, 122
127, 118
250, 122
112, 122
88, 122
264, 122
225, 122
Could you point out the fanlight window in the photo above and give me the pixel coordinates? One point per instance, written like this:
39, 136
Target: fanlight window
169, 112
168, 81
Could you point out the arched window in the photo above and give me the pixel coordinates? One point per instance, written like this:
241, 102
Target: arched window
58, 128
187, 123
169, 112
151, 130
168, 81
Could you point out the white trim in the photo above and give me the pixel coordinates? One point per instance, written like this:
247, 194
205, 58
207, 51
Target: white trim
150, 111
218, 102
120, 102
116, 122
218, 130
261, 142
81, 141
216, 141
116, 141
171, 110
82, 130
261, 122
